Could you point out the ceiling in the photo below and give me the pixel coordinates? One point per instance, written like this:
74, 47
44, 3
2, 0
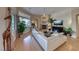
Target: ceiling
46, 10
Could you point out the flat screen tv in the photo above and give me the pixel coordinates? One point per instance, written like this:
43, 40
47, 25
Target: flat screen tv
58, 22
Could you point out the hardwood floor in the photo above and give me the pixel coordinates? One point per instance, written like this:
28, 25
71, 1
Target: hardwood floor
71, 45
28, 43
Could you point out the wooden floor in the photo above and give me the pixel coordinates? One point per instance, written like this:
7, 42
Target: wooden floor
28, 43
71, 45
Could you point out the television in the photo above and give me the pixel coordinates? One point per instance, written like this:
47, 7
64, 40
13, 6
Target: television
58, 22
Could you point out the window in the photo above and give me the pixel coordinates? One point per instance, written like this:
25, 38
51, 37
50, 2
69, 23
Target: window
27, 21
12, 23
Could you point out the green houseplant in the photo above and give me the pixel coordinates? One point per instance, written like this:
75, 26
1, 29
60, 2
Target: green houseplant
21, 27
50, 21
68, 31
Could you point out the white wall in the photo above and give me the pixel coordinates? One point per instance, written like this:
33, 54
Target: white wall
2, 25
74, 20
74, 13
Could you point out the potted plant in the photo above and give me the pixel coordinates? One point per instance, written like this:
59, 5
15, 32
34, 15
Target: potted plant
21, 27
68, 31
50, 21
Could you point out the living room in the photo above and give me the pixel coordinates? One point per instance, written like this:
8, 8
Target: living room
64, 22
65, 16
53, 28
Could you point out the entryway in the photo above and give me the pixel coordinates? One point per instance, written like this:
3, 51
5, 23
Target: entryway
77, 25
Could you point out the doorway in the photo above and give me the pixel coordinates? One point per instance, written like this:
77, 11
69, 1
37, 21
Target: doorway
77, 25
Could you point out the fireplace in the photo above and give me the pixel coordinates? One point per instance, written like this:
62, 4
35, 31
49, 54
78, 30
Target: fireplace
44, 26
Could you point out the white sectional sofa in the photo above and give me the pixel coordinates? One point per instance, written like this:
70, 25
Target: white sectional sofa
50, 43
